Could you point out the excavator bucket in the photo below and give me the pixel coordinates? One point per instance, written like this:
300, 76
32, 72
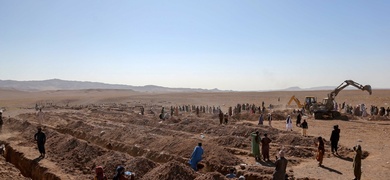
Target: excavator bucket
367, 88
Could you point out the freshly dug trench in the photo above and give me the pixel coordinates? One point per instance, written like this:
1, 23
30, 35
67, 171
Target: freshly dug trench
28, 167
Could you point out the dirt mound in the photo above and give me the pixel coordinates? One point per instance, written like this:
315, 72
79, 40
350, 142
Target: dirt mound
140, 166
216, 159
295, 139
246, 116
301, 152
172, 170
211, 176
232, 141
280, 114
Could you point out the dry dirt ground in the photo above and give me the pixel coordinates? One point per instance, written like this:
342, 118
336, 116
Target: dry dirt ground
88, 128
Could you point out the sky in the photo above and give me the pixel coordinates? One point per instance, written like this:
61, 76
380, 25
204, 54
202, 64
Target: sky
226, 44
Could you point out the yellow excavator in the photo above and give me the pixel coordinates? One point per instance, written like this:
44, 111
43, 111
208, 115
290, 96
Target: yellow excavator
326, 110
309, 101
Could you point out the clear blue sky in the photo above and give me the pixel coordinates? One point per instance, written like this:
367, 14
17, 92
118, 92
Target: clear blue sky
231, 45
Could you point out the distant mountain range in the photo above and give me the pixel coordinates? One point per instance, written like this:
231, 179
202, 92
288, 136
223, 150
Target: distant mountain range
58, 84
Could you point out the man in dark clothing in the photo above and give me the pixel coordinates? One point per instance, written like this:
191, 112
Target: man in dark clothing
357, 162
280, 167
1, 118
40, 137
334, 138
265, 147
304, 126
226, 118
299, 118
142, 110
220, 117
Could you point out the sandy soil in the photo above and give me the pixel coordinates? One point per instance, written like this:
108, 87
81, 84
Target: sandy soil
103, 127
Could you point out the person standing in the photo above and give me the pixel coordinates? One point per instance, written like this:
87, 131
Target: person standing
256, 139
1, 118
269, 119
261, 119
334, 139
40, 138
265, 147
299, 119
304, 126
196, 156
320, 150
41, 116
220, 117
289, 123
142, 110
226, 118
357, 162
280, 167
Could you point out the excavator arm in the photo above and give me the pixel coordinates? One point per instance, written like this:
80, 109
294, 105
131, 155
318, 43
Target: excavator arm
335, 92
293, 98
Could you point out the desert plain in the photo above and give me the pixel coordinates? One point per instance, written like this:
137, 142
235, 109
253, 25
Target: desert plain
89, 128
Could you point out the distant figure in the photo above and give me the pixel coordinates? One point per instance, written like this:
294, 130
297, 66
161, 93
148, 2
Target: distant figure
196, 156
41, 116
288, 123
304, 126
320, 150
261, 119
40, 138
230, 111
256, 139
231, 174
142, 110
388, 111
265, 147
269, 119
357, 162
299, 118
220, 117
280, 167
334, 138
176, 111
1, 119
100, 173
226, 118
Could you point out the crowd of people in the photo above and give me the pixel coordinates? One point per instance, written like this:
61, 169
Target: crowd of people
363, 111
260, 146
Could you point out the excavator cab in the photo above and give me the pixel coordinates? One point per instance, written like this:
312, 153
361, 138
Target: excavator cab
310, 99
